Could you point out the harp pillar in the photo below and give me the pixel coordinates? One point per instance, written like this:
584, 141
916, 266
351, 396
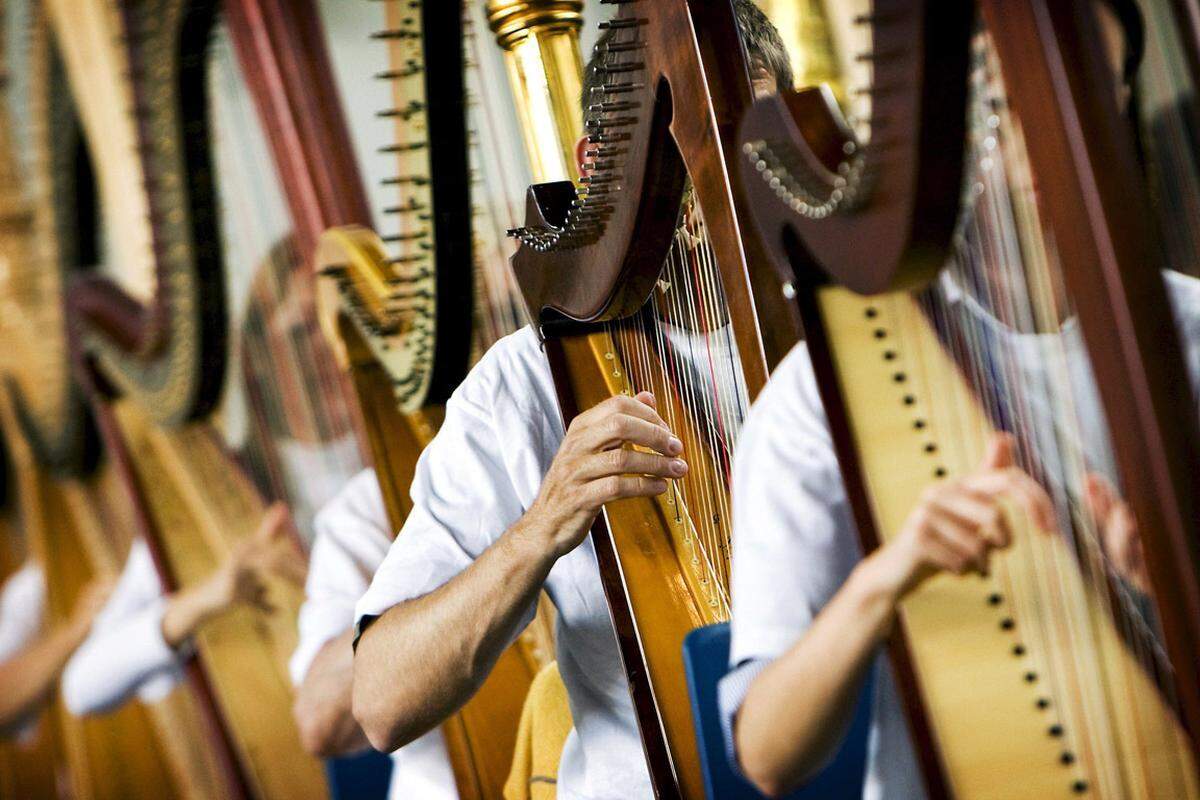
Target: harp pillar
540, 39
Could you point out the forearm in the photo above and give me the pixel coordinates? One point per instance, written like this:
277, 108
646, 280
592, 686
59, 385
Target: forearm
29, 677
186, 612
323, 702
423, 659
797, 711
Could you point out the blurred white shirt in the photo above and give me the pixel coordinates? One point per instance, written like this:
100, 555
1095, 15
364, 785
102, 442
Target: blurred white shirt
125, 655
22, 613
352, 539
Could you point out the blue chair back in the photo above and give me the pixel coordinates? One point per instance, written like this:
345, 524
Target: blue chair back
706, 661
365, 776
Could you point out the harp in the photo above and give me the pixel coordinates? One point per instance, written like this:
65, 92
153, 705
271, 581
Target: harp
149, 336
1085, 662
64, 518
639, 281
27, 768
409, 310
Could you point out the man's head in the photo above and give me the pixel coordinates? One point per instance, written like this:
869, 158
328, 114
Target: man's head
1123, 37
770, 66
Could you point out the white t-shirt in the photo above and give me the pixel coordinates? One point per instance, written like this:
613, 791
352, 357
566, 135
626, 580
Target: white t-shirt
125, 654
352, 538
22, 612
478, 476
22, 609
795, 541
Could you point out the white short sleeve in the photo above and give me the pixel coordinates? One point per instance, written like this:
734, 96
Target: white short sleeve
352, 538
794, 540
125, 654
463, 495
22, 607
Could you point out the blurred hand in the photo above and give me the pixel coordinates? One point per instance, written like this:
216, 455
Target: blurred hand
1118, 530
958, 523
269, 551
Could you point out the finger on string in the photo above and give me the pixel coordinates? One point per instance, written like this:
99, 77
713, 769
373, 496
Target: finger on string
1122, 542
964, 540
624, 461
1100, 496
274, 521
638, 407
618, 487
979, 511
999, 452
942, 556
1019, 486
622, 429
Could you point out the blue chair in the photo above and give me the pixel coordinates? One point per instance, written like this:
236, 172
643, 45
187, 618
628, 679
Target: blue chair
364, 776
706, 661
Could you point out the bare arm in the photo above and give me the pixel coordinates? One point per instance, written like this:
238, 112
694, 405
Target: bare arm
422, 659
140, 639
240, 579
782, 744
322, 707
27, 679
798, 709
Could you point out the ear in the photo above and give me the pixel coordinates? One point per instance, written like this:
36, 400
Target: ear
583, 162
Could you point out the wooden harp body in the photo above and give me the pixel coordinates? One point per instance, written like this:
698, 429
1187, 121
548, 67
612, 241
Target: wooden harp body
673, 79
1036, 681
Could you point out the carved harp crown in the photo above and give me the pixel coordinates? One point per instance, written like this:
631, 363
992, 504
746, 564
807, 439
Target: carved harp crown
408, 292
874, 214
593, 254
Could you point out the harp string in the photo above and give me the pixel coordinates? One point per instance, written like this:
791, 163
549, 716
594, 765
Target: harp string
499, 309
680, 347
286, 411
1002, 313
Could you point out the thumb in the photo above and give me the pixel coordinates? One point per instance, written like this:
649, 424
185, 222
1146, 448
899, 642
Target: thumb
274, 522
1100, 496
999, 453
647, 398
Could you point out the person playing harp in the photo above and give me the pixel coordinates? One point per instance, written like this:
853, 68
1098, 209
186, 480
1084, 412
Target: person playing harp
811, 612
502, 504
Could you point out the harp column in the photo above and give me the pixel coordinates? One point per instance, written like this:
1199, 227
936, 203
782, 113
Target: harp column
540, 39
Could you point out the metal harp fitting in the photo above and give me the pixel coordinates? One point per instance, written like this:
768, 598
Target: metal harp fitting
540, 39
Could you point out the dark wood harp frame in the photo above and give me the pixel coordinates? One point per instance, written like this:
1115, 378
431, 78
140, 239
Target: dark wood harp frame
1084, 162
139, 338
594, 257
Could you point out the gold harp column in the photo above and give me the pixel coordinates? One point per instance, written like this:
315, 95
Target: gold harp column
540, 39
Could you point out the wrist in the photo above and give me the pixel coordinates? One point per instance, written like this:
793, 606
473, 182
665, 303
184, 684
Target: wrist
79, 626
534, 540
879, 582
